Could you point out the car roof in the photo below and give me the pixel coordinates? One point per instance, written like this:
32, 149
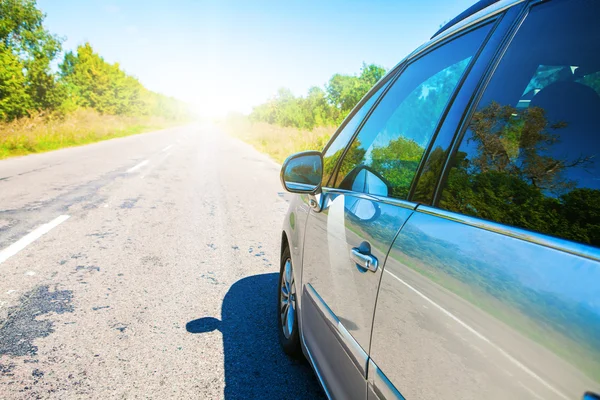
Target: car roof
480, 5
465, 20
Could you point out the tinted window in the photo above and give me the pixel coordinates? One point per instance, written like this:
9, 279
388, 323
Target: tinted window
336, 148
391, 143
530, 156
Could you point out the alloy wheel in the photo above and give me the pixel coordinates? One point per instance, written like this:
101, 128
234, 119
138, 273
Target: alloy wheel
287, 303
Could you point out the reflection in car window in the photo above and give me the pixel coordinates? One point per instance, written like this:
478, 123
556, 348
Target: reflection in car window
535, 163
336, 148
394, 138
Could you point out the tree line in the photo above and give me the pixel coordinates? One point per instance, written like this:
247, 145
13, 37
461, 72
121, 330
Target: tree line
320, 107
29, 84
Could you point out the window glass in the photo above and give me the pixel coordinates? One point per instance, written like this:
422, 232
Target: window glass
384, 157
336, 148
531, 154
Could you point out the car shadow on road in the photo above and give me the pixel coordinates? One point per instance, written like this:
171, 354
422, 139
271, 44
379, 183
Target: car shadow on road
255, 365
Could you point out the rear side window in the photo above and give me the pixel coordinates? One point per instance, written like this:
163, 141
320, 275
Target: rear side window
385, 155
530, 157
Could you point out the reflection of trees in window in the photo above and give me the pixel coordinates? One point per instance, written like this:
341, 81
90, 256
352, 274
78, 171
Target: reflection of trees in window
505, 172
397, 163
329, 163
396, 134
431, 171
352, 159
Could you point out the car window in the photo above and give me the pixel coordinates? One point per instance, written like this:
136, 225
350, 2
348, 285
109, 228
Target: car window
336, 148
384, 156
530, 155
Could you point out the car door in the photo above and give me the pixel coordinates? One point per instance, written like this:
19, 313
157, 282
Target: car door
363, 206
493, 290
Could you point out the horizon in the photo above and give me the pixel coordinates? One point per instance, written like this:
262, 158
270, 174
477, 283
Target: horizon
234, 56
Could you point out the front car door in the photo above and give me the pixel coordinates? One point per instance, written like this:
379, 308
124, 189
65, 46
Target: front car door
362, 208
493, 291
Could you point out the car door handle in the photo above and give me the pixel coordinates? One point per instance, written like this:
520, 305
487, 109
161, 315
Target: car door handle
366, 261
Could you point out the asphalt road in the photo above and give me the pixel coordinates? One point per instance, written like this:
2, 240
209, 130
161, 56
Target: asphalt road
144, 267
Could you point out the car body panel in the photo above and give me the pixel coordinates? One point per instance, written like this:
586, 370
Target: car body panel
490, 315
342, 295
332, 358
293, 234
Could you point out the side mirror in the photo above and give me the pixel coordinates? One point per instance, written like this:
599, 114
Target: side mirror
303, 172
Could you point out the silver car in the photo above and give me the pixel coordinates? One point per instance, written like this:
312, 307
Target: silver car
445, 243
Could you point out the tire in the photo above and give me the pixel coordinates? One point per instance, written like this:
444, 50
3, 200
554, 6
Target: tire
289, 335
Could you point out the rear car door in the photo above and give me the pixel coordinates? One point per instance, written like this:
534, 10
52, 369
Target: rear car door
493, 291
363, 207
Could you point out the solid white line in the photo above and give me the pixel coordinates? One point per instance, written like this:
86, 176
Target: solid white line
30, 238
480, 336
140, 165
167, 148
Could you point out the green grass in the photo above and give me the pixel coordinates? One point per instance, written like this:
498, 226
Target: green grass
40, 134
276, 141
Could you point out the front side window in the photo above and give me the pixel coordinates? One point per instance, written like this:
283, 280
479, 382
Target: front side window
336, 148
530, 157
384, 157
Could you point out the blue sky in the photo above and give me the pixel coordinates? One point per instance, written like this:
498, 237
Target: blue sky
231, 55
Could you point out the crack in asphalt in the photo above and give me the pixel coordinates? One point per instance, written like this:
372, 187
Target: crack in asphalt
5, 178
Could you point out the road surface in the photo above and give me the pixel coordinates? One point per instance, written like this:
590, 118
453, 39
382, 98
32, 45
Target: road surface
144, 267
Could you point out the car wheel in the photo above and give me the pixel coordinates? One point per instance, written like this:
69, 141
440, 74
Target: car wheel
287, 315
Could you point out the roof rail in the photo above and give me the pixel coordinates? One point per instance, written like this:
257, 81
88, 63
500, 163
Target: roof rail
480, 5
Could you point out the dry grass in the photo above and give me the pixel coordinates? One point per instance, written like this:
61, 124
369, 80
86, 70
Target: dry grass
40, 133
276, 141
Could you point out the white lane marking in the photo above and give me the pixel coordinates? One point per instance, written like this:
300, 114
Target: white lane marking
140, 165
30, 238
167, 148
534, 394
30, 273
480, 336
11, 291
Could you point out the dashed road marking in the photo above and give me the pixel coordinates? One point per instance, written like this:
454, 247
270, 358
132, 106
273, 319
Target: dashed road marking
30, 238
138, 166
167, 148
